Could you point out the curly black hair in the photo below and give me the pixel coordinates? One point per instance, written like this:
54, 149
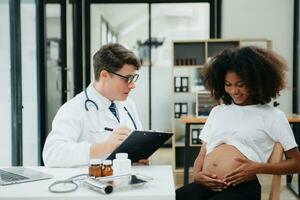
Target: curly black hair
262, 71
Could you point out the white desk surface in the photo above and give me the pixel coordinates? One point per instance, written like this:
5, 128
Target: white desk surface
160, 188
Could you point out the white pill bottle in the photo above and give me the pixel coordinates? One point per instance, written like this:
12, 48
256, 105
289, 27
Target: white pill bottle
121, 165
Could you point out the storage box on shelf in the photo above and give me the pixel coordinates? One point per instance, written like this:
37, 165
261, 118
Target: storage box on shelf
190, 96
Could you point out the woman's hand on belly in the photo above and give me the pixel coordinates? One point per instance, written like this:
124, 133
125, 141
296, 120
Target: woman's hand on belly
210, 181
246, 171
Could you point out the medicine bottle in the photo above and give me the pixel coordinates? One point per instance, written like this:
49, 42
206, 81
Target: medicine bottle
122, 165
107, 169
95, 168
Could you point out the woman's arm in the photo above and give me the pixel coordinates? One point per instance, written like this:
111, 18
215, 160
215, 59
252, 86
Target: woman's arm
200, 159
288, 166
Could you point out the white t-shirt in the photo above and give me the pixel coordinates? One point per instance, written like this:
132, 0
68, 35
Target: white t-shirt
252, 129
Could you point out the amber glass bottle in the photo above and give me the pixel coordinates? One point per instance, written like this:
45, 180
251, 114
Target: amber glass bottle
107, 168
95, 169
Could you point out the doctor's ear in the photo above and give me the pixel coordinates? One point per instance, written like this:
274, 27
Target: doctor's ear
104, 74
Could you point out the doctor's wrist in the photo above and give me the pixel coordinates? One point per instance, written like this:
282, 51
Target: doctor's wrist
107, 148
94, 151
99, 149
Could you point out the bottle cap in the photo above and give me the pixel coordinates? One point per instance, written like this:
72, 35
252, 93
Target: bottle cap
107, 162
121, 155
95, 161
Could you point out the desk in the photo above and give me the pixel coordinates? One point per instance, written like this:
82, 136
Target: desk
189, 120
160, 188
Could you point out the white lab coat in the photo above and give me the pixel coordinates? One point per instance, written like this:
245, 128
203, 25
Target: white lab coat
74, 129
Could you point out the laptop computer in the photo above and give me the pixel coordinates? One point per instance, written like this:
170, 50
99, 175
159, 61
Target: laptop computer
14, 175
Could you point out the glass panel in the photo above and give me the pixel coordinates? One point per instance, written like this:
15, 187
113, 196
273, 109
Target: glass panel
53, 62
29, 82
114, 38
70, 47
173, 22
5, 97
103, 32
128, 28
109, 36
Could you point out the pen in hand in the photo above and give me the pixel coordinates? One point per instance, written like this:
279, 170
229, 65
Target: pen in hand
108, 129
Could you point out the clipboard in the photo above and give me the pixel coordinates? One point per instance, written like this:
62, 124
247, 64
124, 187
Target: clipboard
141, 144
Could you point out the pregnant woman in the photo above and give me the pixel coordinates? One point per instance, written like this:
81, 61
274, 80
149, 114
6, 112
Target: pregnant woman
240, 133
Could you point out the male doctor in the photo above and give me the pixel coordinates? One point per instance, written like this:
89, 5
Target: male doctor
79, 129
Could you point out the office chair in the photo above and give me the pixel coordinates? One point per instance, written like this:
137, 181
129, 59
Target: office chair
276, 156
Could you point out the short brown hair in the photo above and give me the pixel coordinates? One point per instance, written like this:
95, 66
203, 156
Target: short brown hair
262, 71
113, 57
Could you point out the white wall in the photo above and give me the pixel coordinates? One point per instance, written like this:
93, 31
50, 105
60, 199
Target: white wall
29, 84
271, 19
5, 97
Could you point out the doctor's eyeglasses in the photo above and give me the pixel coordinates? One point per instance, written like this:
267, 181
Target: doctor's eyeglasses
130, 79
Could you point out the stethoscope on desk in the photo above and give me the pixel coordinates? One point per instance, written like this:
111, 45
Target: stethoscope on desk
71, 184
67, 185
88, 100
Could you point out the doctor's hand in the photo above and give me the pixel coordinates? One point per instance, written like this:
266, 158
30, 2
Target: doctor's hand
116, 138
142, 162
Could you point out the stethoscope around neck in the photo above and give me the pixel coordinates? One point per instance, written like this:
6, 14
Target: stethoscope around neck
88, 100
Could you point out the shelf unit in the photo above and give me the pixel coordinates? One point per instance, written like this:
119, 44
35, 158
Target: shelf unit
189, 93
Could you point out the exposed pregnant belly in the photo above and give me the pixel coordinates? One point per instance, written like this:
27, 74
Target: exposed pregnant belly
221, 160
